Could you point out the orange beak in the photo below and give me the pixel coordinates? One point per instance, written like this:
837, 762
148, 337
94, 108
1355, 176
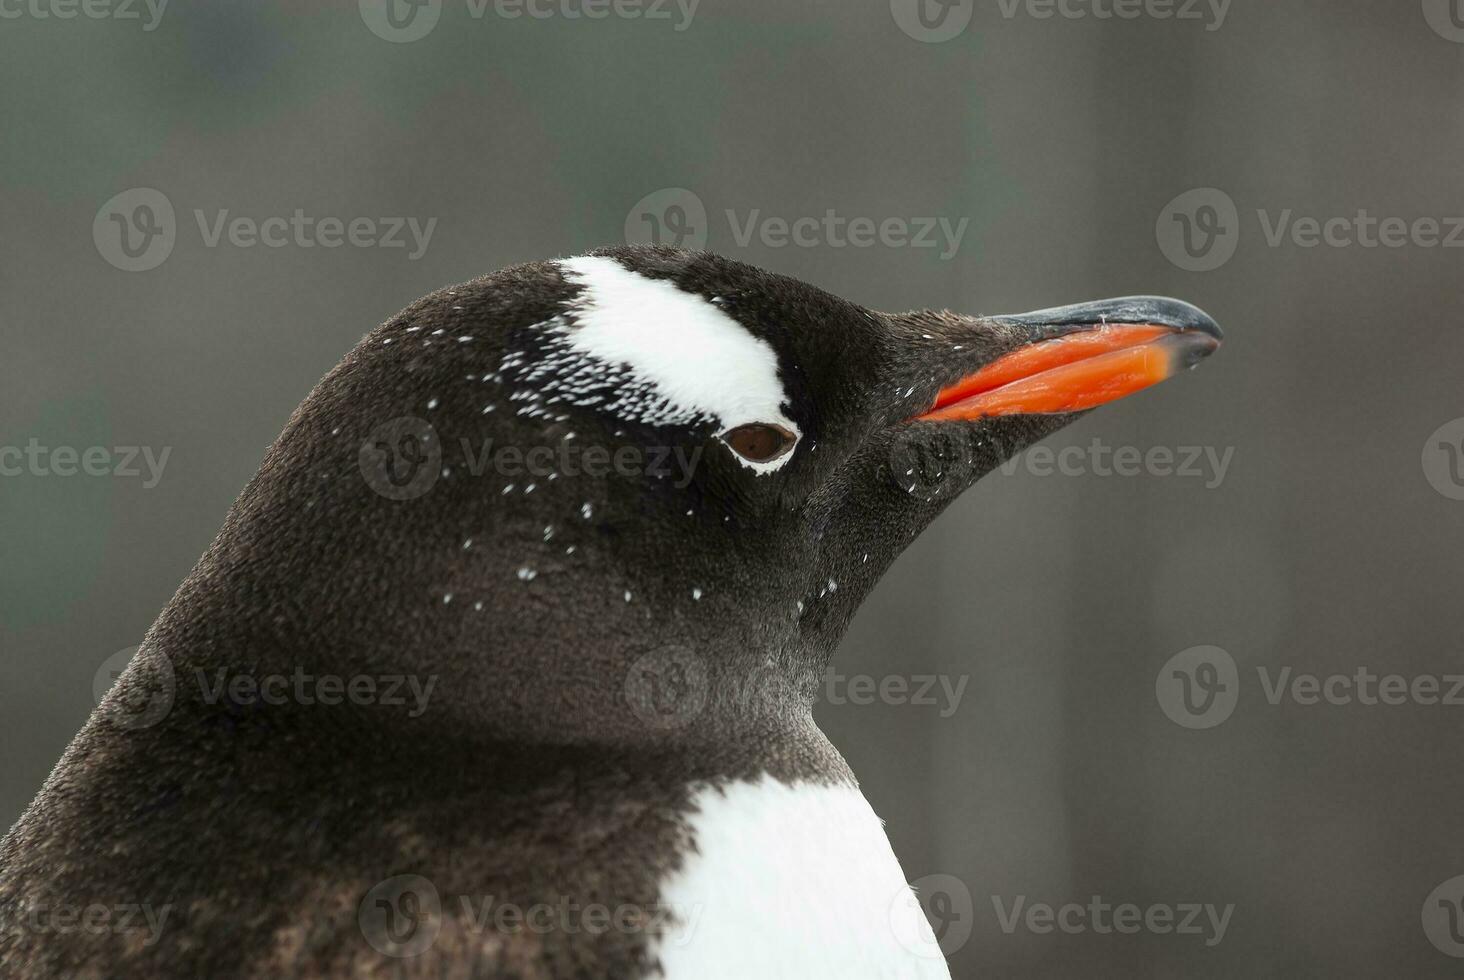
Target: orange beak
1093, 364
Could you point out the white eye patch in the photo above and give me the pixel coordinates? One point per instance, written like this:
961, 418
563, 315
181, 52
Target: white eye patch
685, 359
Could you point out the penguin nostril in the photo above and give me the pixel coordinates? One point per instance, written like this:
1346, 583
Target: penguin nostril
759, 442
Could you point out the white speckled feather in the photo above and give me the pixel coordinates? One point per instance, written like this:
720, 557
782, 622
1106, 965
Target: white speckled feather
672, 356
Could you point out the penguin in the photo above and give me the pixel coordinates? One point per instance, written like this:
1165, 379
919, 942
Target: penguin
503, 664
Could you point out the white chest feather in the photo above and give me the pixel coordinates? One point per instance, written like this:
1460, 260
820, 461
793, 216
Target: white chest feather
793, 881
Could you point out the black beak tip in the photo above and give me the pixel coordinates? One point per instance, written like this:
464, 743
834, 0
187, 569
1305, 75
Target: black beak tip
1200, 345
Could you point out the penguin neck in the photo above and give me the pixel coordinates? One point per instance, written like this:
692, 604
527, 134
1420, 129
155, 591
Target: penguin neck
558, 657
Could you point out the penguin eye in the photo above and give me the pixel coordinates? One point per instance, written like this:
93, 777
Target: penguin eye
759, 442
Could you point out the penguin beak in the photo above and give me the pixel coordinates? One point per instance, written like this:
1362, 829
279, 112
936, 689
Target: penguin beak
1081, 357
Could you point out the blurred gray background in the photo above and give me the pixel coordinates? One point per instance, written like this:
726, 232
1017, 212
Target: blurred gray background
1329, 542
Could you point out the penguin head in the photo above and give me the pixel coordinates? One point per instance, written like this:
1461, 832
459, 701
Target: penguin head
540, 482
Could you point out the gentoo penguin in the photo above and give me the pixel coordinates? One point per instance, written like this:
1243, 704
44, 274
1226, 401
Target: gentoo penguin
503, 664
